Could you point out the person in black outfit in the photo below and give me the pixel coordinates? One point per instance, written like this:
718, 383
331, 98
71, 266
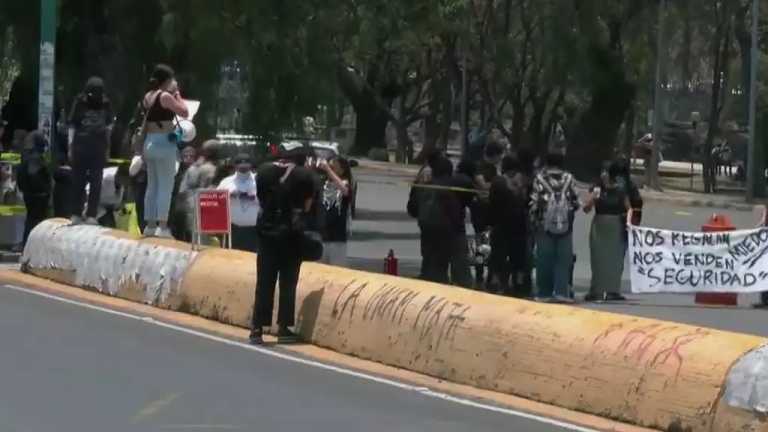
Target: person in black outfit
485, 171
90, 123
508, 215
285, 189
34, 181
62, 192
441, 214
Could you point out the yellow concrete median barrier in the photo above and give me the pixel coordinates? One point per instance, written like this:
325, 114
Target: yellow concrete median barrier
645, 372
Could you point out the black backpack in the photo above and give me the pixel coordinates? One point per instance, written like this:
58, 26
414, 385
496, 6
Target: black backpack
435, 209
277, 217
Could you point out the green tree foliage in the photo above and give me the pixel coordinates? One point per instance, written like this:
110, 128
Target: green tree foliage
587, 64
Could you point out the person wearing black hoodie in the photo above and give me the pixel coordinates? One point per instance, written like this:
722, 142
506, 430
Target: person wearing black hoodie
441, 207
34, 181
90, 123
508, 216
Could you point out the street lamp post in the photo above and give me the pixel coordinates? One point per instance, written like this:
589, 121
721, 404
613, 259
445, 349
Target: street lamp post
652, 170
695, 118
752, 180
46, 81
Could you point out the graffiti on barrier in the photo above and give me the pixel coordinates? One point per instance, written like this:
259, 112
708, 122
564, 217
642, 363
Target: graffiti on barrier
389, 303
652, 346
347, 299
438, 320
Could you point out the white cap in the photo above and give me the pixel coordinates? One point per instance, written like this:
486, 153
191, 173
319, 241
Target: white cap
188, 130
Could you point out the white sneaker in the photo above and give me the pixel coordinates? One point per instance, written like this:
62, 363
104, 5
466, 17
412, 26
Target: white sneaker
150, 232
91, 221
164, 233
76, 220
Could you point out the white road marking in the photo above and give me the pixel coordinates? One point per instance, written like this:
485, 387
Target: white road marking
340, 370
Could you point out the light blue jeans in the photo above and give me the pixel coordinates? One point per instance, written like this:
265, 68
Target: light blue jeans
160, 160
554, 257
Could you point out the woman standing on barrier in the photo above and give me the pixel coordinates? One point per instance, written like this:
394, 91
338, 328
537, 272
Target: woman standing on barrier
610, 201
90, 125
163, 103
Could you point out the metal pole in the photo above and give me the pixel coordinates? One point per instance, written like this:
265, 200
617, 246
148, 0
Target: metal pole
752, 179
47, 69
464, 101
652, 174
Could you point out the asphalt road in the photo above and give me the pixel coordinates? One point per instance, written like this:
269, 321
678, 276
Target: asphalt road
74, 369
383, 224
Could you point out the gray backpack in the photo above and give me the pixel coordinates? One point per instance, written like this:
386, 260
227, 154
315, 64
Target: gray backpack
557, 210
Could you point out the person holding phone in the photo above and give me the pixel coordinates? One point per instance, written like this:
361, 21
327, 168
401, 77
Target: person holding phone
163, 103
244, 204
90, 125
336, 191
610, 201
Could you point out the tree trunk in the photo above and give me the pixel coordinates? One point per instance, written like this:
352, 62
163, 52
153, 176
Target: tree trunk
629, 131
371, 118
369, 128
722, 41
595, 137
518, 121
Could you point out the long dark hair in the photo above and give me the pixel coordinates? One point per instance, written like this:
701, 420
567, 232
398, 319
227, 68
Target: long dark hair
160, 75
346, 168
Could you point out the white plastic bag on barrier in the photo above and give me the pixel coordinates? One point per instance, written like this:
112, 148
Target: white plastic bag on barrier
747, 383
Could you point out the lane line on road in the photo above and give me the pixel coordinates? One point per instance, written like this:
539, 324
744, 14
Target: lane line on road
295, 359
155, 407
200, 426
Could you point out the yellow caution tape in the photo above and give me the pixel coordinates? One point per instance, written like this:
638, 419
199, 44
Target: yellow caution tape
12, 158
12, 210
426, 186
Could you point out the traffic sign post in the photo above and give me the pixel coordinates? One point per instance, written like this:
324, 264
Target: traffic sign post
213, 215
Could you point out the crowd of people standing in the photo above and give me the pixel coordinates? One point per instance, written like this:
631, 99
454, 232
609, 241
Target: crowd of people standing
522, 211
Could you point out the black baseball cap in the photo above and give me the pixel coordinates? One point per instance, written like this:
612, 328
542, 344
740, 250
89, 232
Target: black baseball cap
241, 158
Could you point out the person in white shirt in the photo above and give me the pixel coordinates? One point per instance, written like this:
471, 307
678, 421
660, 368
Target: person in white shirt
114, 180
244, 204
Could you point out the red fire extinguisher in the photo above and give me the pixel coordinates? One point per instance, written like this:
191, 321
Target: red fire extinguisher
390, 263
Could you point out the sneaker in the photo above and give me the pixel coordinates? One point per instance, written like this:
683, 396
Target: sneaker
164, 233
593, 298
564, 299
256, 337
76, 220
150, 232
285, 335
91, 221
615, 297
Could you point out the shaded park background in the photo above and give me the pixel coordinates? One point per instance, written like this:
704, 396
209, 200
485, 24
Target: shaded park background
393, 73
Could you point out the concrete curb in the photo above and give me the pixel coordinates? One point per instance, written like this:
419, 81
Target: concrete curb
640, 371
7, 257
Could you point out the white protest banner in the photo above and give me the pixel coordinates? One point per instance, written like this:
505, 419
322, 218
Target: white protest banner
683, 262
